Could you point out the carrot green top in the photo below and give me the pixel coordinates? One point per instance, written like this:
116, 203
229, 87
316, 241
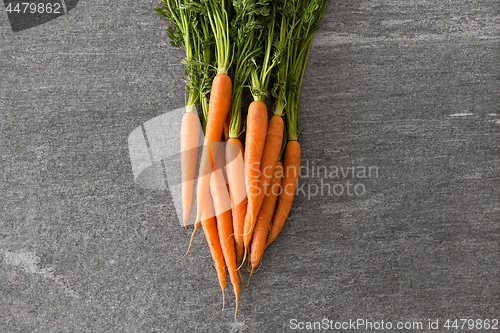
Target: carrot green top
199, 24
217, 13
246, 31
204, 49
299, 21
191, 31
181, 34
260, 73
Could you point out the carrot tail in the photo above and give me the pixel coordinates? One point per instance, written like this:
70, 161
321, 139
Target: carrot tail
236, 309
244, 257
291, 167
210, 229
209, 225
251, 273
190, 241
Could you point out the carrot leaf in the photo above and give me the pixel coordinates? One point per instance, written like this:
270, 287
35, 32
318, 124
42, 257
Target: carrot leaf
247, 29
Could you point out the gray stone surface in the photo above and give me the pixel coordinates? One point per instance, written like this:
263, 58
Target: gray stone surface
409, 87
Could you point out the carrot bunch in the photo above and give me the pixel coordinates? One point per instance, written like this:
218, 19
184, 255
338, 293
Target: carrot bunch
247, 178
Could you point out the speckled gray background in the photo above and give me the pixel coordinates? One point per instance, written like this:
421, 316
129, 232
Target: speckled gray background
411, 87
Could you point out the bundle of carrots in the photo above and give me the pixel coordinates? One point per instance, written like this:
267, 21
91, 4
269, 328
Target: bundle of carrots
231, 47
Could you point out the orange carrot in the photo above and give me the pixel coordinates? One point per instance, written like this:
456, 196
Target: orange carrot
260, 74
255, 140
190, 135
295, 37
220, 94
265, 216
210, 230
272, 148
218, 108
236, 180
222, 206
220, 99
191, 37
291, 168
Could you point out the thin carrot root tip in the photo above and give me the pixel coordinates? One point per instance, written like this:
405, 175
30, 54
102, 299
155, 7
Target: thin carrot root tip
190, 242
236, 309
244, 257
251, 273
223, 300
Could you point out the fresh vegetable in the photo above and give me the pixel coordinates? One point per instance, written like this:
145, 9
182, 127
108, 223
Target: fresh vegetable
246, 31
219, 103
265, 216
255, 139
181, 35
291, 167
301, 19
257, 119
191, 30
220, 95
231, 46
272, 148
204, 52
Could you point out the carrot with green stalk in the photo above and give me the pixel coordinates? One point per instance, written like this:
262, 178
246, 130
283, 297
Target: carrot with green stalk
304, 17
257, 121
220, 95
276, 127
203, 45
192, 20
275, 141
246, 29
218, 108
181, 34
215, 95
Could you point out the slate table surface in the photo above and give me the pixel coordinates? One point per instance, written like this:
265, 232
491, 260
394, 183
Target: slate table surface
408, 88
